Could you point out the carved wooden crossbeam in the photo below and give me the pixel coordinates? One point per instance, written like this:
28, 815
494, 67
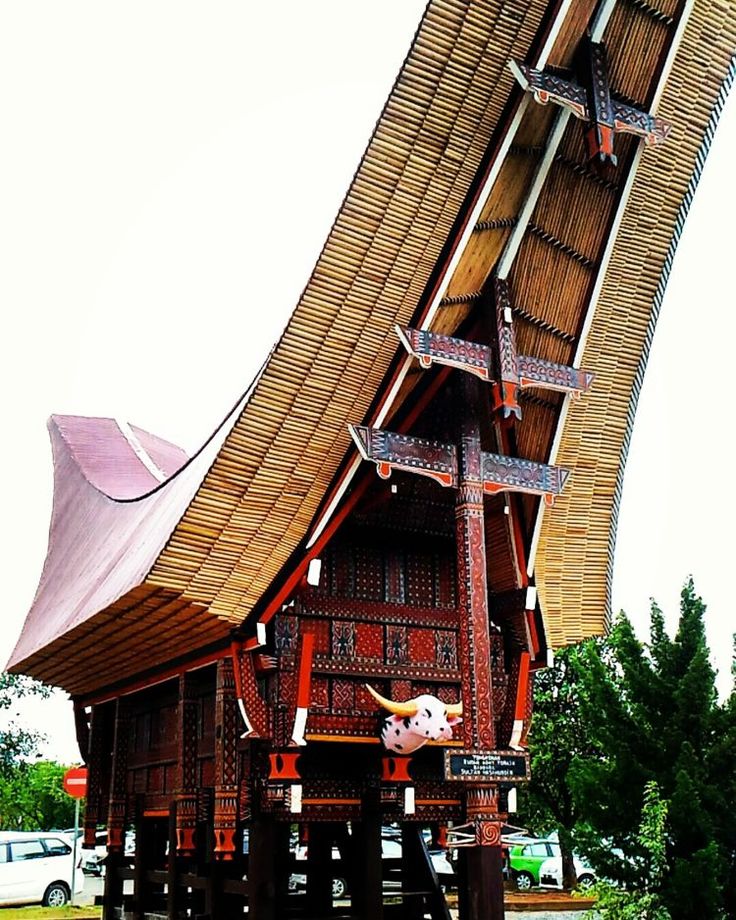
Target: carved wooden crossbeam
592, 102
511, 474
437, 460
514, 371
389, 450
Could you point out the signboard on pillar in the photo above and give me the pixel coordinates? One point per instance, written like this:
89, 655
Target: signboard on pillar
487, 766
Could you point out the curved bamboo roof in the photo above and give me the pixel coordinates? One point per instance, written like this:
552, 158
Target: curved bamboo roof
432, 207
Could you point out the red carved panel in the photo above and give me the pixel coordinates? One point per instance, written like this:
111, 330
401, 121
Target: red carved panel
397, 645
207, 772
343, 639
155, 782
285, 634
401, 690
341, 575
369, 641
421, 646
445, 644
138, 781
446, 694
364, 702
320, 693
444, 582
343, 695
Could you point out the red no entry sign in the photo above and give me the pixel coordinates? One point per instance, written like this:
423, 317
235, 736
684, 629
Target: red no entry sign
75, 782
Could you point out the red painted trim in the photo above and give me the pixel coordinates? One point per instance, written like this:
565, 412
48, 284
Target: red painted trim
522, 686
282, 766
304, 681
532, 624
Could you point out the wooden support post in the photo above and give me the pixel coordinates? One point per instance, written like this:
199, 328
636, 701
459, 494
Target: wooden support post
475, 651
98, 775
116, 812
484, 896
366, 894
319, 870
112, 892
141, 865
173, 894
281, 868
261, 857
485, 889
418, 875
116, 816
186, 769
226, 762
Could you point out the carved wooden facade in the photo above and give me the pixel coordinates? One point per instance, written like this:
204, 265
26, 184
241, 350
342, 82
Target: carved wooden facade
403, 441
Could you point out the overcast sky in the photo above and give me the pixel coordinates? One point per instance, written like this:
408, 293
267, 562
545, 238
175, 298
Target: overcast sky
169, 174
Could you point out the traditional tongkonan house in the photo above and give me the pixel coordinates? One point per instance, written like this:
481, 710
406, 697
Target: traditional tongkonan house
328, 619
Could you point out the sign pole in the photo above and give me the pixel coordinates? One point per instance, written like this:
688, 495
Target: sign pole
74, 847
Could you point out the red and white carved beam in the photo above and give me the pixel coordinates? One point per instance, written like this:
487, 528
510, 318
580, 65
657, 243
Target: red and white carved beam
392, 451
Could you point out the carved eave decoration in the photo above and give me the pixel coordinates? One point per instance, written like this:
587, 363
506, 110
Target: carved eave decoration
467, 181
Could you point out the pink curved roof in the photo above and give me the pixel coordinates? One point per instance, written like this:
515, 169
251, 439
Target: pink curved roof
112, 515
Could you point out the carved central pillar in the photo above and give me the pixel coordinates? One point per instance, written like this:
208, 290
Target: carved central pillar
483, 861
475, 650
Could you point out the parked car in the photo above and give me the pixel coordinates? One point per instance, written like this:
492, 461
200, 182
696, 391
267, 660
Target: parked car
538, 862
93, 860
36, 867
390, 850
550, 873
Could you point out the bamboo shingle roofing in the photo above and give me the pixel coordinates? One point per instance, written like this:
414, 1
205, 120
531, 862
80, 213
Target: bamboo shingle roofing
169, 571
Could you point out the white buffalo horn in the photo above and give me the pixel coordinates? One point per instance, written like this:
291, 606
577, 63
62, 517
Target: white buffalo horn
405, 710
455, 709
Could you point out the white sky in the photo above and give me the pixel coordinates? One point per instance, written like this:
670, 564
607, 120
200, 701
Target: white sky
169, 174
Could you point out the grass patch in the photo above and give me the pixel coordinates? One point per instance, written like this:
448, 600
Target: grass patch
49, 913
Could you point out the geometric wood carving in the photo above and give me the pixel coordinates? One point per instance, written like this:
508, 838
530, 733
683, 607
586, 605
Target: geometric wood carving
119, 775
606, 116
439, 461
429, 348
186, 780
501, 365
226, 761
512, 474
389, 450
253, 708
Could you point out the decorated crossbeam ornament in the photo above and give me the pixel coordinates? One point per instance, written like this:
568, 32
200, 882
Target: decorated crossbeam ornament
389, 451
590, 100
508, 372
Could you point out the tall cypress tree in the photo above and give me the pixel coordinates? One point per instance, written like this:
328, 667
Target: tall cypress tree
654, 714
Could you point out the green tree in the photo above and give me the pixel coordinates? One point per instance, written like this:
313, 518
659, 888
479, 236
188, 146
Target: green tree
16, 742
32, 797
560, 741
616, 903
656, 718
31, 791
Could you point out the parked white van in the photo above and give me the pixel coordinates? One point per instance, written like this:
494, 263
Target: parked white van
36, 867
